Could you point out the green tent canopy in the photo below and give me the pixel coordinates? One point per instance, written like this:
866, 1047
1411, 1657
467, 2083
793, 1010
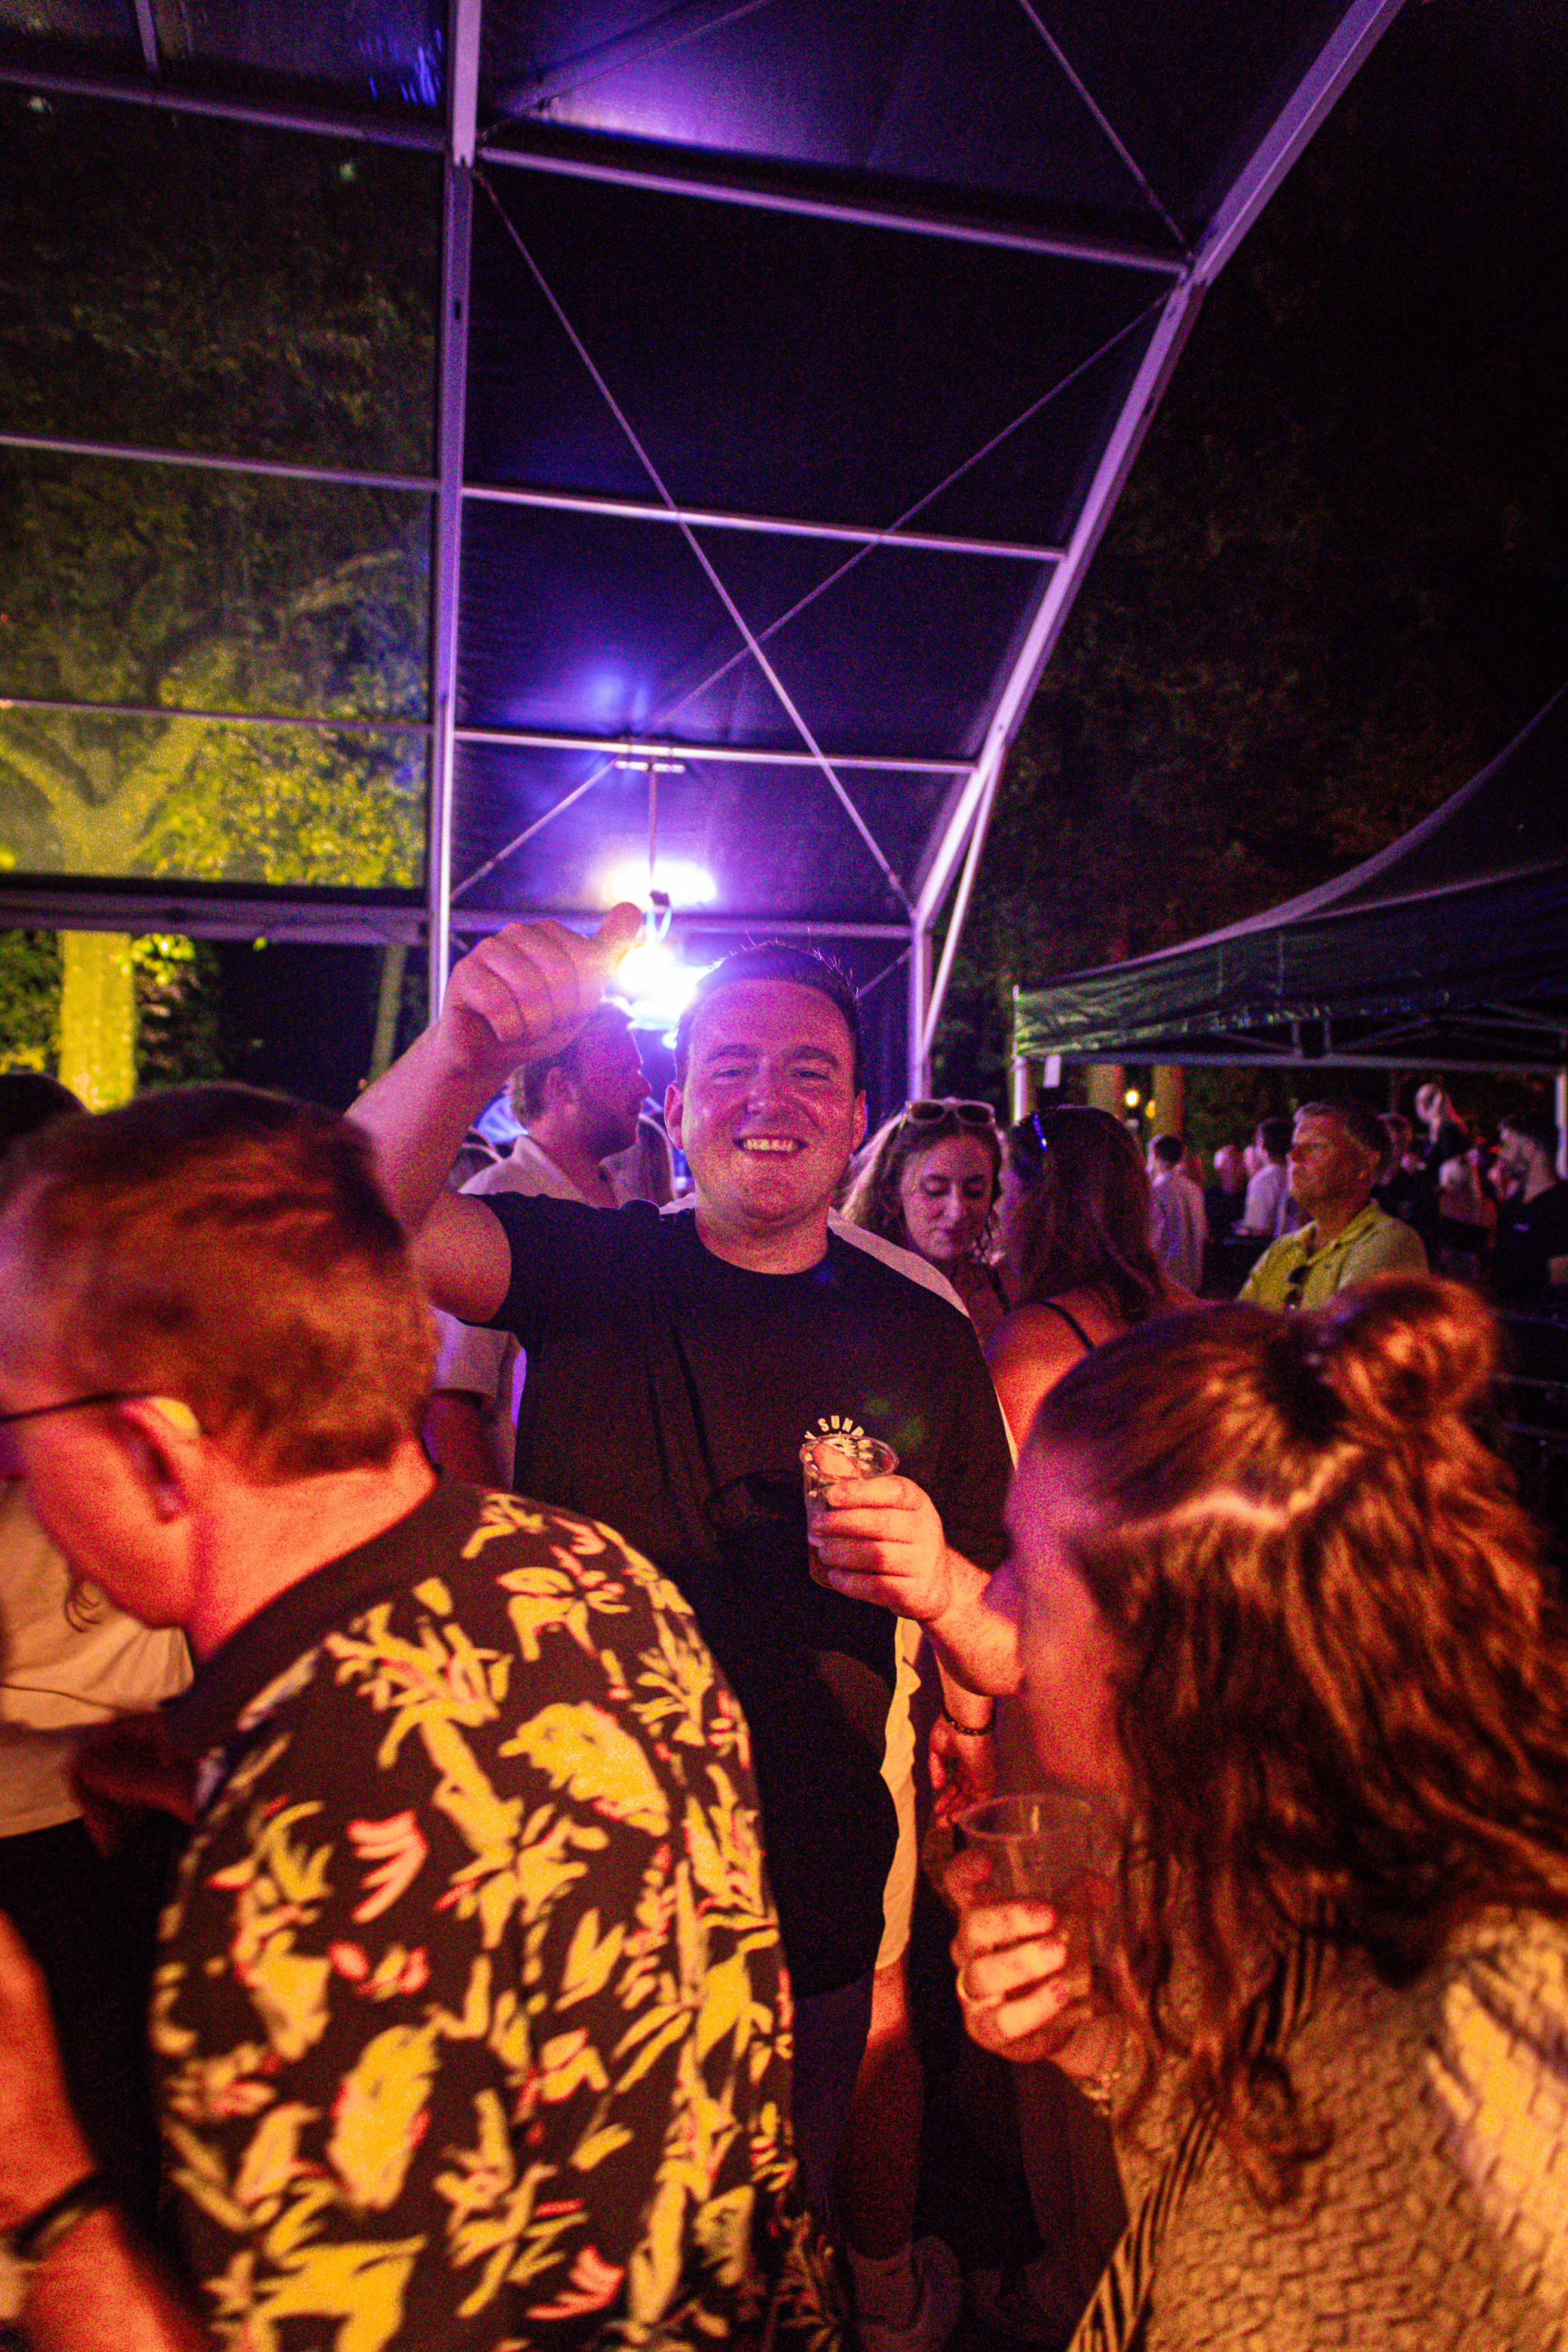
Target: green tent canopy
1447, 948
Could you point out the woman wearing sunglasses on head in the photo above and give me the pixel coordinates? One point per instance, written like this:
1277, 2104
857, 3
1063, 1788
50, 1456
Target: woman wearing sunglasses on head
928, 1180
1279, 1607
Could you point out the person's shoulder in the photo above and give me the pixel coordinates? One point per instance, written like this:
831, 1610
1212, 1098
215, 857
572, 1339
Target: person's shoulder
1272, 1266
1499, 2067
1391, 1244
594, 1233
1035, 1333
885, 1266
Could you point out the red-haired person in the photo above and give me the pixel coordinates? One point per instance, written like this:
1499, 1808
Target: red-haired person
1279, 1608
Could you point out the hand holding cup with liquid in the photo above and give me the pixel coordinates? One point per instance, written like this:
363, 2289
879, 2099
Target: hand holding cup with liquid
835, 1460
1036, 1893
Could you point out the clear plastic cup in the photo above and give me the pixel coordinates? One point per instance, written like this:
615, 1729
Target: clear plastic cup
830, 1459
1055, 1845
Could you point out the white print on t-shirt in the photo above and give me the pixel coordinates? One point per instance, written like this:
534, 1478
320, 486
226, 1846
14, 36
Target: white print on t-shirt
841, 1430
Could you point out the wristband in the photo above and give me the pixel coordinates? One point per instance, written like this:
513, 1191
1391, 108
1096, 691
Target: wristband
31, 2240
972, 1730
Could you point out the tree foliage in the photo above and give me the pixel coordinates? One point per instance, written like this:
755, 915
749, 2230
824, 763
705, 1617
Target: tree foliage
1333, 586
174, 284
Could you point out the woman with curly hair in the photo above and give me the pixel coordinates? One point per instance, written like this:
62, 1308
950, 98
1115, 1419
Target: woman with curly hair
1280, 1606
1076, 1215
928, 1180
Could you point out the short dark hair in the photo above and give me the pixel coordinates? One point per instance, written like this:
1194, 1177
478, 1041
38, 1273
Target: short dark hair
232, 1249
1362, 1125
1536, 1124
526, 1093
776, 960
1169, 1150
1274, 1134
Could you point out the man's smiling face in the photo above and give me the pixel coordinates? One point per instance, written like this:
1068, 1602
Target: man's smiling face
767, 1114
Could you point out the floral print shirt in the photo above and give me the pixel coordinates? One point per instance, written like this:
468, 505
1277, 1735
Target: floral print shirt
471, 2022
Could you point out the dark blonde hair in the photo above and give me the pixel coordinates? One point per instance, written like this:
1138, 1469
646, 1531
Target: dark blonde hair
875, 1199
1082, 1220
1344, 1702
232, 1249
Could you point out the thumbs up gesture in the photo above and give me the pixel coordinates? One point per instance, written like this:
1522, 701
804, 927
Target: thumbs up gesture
524, 993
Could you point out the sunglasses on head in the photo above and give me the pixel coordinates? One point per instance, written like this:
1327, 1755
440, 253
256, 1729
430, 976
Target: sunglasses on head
932, 1111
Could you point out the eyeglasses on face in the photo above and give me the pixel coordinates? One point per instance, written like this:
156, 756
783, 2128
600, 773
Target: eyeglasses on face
173, 1409
934, 1110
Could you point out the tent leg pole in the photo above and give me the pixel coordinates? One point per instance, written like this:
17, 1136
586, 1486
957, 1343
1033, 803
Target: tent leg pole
451, 385
919, 1060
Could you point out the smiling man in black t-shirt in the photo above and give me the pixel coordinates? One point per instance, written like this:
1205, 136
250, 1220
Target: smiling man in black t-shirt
677, 1364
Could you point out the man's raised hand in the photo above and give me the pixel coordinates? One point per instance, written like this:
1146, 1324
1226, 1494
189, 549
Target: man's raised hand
524, 993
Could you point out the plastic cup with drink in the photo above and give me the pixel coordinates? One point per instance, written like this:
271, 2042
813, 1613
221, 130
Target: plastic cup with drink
1055, 1845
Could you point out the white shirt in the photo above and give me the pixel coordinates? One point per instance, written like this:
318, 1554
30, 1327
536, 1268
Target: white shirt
1181, 1225
487, 1364
65, 1668
1268, 1211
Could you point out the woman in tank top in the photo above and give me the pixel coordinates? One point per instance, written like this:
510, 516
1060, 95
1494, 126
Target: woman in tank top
1074, 1211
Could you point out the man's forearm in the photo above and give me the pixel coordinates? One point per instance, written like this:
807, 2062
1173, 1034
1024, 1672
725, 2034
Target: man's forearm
418, 1114
94, 2292
975, 1643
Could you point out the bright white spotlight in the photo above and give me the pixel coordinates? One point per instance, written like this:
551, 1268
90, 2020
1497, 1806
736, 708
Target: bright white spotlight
681, 879
655, 986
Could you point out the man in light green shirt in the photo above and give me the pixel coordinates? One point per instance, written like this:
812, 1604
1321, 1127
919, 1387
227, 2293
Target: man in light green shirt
1336, 1154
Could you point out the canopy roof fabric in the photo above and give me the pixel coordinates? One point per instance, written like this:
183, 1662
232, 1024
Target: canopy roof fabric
1449, 949
789, 358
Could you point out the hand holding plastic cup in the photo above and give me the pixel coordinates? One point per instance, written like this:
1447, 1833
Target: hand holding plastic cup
1054, 1845
835, 1459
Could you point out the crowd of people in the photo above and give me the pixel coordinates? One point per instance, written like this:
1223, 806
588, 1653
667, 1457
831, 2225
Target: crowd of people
574, 1676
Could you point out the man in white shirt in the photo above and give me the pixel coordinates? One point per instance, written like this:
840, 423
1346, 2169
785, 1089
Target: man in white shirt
578, 1108
1269, 1210
1181, 1221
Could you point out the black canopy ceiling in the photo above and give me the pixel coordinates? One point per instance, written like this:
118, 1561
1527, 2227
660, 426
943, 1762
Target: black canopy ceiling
790, 356
1449, 949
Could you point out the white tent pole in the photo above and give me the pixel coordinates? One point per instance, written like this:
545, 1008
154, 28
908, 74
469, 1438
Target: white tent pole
513, 494
961, 907
1106, 251
918, 1058
457, 245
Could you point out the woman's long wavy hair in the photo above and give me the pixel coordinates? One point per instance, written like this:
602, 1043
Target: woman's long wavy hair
1082, 1222
874, 1199
1344, 1697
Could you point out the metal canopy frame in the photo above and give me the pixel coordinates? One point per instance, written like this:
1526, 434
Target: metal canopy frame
1178, 278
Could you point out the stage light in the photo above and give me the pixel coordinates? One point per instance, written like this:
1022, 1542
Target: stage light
681, 881
656, 986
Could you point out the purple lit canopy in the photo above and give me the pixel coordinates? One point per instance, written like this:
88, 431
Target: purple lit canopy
784, 364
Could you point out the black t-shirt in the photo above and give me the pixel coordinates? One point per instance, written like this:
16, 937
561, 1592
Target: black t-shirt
668, 1395
1530, 1233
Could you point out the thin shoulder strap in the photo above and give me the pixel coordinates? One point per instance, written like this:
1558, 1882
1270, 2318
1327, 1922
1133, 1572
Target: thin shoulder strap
1074, 1326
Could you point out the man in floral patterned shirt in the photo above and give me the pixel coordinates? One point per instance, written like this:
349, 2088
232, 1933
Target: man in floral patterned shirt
470, 2024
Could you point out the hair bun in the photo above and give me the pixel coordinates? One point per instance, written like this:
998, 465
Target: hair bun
1404, 1349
